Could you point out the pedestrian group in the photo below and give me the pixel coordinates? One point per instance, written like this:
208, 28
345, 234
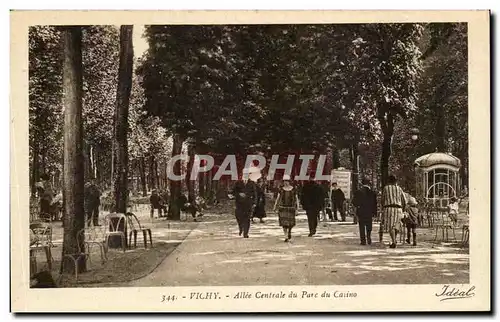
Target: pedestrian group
399, 209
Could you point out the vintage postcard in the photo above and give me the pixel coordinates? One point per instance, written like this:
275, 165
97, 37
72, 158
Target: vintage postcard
250, 161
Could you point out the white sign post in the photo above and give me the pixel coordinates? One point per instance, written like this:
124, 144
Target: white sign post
343, 180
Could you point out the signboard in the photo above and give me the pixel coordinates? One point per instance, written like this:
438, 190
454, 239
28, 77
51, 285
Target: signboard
343, 180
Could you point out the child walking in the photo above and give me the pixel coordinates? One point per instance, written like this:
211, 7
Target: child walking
411, 219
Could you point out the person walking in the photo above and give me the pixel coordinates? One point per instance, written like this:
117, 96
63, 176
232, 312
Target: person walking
393, 203
92, 203
260, 204
411, 219
287, 204
338, 199
312, 200
251, 196
365, 201
238, 195
245, 195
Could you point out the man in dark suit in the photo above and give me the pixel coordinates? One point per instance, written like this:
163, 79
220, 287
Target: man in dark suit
92, 202
245, 195
338, 199
312, 199
365, 201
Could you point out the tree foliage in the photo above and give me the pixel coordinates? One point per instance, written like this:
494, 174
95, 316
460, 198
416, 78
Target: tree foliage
238, 89
45, 94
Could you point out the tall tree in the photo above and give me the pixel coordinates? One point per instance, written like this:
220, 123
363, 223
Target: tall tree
443, 117
178, 75
73, 147
390, 62
121, 118
45, 94
100, 67
100, 72
147, 137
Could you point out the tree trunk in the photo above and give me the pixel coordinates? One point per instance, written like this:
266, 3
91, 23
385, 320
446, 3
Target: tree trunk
189, 182
388, 131
97, 164
113, 161
121, 122
336, 158
441, 140
142, 167
43, 165
202, 178
92, 162
165, 177
74, 219
374, 184
463, 156
148, 175
157, 176
151, 173
174, 212
87, 161
355, 167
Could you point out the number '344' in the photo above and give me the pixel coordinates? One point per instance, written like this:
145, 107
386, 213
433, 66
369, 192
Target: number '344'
168, 298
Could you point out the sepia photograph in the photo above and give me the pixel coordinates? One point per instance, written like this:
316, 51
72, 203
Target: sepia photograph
287, 161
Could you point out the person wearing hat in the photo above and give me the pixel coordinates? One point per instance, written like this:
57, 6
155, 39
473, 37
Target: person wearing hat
287, 204
260, 204
251, 192
245, 195
312, 198
92, 202
365, 201
238, 194
338, 199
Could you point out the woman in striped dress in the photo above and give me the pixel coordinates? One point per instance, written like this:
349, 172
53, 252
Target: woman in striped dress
393, 203
287, 204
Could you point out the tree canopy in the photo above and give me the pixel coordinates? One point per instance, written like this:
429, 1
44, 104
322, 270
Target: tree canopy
239, 89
